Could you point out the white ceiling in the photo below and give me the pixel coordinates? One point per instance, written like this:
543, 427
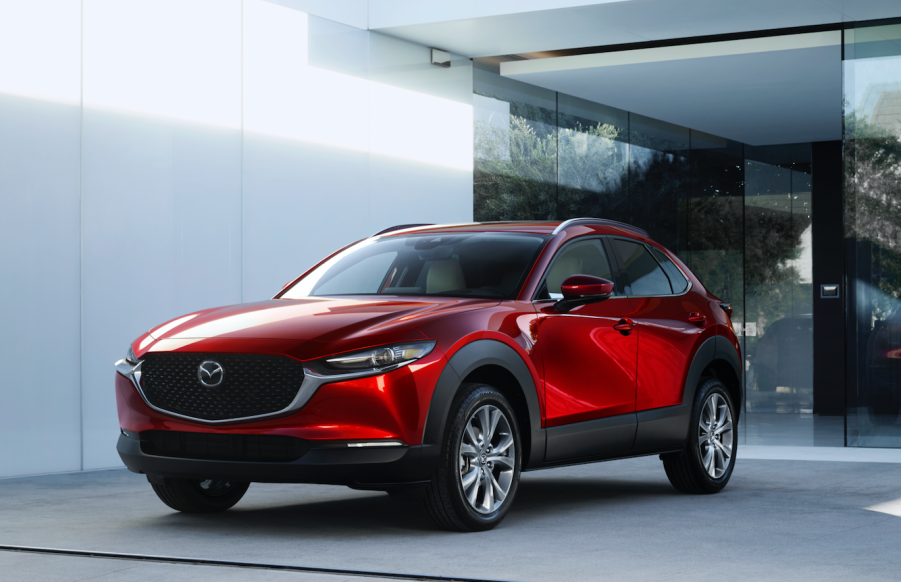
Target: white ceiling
384, 13
500, 27
774, 92
759, 91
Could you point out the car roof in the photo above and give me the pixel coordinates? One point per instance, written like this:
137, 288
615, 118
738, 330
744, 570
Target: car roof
545, 227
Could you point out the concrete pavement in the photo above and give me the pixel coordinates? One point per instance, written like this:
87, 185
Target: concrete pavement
621, 520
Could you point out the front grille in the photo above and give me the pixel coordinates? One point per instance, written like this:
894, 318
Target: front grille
253, 384
223, 447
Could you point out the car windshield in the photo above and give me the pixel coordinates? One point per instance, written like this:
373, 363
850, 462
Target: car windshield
488, 265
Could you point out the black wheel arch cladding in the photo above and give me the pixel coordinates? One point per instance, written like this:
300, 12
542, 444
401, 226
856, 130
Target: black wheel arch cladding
480, 354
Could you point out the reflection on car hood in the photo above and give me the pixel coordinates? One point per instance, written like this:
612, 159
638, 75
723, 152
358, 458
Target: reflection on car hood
318, 319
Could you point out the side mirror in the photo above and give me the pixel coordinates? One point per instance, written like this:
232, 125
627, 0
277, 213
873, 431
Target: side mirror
582, 289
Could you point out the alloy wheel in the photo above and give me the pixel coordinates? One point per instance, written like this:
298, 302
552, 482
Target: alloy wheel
486, 459
715, 437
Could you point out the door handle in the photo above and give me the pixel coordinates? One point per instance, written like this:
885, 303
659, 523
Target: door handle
697, 317
624, 326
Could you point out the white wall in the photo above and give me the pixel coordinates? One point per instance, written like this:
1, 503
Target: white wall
220, 148
40, 299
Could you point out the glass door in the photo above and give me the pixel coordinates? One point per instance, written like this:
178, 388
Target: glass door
872, 175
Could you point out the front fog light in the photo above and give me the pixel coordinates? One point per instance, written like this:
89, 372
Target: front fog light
383, 357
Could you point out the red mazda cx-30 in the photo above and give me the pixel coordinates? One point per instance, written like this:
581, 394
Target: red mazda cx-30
439, 362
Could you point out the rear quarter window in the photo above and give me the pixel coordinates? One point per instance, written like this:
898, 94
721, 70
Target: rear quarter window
676, 278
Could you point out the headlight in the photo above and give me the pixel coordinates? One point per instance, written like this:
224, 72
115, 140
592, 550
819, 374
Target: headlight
130, 357
377, 358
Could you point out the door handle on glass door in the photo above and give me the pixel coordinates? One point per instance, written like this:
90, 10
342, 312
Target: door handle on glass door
624, 326
697, 317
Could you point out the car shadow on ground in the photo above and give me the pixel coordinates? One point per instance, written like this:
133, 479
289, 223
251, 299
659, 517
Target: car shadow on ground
374, 513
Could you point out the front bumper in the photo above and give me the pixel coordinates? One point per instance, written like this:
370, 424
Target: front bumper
332, 463
391, 406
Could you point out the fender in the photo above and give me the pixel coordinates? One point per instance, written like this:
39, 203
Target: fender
664, 428
460, 365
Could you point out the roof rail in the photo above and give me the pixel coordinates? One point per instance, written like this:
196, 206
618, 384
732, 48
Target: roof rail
601, 222
400, 227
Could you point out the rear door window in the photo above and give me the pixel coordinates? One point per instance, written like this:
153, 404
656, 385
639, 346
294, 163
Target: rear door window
643, 273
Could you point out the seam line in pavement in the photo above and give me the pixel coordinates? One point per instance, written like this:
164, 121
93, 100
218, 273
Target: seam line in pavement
235, 564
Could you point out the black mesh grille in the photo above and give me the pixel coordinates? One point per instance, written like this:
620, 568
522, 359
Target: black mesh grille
253, 384
223, 447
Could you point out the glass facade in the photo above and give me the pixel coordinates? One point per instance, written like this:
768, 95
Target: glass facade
515, 149
715, 218
739, 216
742, 217
778, 291
593, 159
872, 175
659, 179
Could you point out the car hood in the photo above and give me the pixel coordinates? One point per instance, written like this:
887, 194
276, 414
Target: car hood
314, 319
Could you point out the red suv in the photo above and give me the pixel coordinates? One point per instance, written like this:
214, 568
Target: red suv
439, 362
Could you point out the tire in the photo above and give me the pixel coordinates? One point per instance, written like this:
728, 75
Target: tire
687, 470
471, 473
199, 496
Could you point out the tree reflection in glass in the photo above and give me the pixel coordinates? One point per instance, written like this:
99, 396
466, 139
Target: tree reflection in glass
659, 181
872, 159
593, 168
778, 283
515, 149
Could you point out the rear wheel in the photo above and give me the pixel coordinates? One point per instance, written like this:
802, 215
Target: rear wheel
706, 463
200, 495
479, 466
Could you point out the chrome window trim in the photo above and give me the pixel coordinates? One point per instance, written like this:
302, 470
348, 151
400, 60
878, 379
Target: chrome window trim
308, 387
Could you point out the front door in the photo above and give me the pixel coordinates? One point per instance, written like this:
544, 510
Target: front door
589, 367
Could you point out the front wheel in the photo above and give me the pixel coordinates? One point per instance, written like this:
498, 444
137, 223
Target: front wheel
199, 495
478, 471
705, 464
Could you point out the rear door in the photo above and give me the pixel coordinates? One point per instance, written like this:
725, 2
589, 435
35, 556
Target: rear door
663, 311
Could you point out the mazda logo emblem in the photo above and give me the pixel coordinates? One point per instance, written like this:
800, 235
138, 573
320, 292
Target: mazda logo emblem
210, 374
